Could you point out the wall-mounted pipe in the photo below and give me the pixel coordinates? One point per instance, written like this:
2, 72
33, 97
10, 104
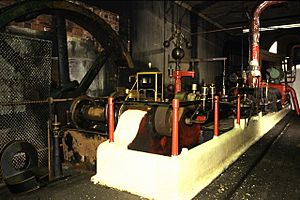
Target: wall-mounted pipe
194, 37
254, 37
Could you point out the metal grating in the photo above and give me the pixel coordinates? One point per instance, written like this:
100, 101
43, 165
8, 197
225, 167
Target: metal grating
25, 76
20, 161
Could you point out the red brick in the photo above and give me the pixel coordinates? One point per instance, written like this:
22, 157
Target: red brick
19, 24
98, 12
86, 34
77, 32
38, 27
69, 34
6, 2
43, 19
27, 25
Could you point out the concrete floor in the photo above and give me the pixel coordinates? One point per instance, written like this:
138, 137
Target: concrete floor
270, 169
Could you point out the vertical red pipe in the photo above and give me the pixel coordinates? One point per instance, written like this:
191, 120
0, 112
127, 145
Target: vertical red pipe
255, 25
177, 76
111, 119
294, 97
216, 116
254, 37
175, 105
238, 109
177, 84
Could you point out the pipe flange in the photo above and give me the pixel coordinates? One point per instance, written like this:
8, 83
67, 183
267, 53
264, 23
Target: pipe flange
75, 110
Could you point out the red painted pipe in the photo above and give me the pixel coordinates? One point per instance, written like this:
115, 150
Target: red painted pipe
255, 25
111, 119
175, 105
294, 97
216, 116
254, 37
177, 76
238, 109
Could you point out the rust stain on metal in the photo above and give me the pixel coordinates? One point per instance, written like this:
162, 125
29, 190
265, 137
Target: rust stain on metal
80, 147
255, 25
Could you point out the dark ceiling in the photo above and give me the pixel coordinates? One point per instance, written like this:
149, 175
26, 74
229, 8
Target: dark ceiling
229, 14
225, 14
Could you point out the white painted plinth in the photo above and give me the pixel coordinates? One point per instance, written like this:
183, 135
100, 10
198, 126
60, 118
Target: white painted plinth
181, 177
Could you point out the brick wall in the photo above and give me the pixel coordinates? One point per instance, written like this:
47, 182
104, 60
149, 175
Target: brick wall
44, 22
82, 47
